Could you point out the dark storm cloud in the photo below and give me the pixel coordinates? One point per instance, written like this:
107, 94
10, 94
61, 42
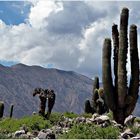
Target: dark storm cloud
74, 17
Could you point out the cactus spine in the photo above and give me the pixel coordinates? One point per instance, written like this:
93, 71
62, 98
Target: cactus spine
11, 110
121, 99
1, 109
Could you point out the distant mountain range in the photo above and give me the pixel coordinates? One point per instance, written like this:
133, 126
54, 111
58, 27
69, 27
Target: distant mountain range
18, 82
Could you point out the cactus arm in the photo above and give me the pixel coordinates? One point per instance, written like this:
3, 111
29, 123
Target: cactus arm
115, 37
134, 81
96, 84
106, 74
122, 59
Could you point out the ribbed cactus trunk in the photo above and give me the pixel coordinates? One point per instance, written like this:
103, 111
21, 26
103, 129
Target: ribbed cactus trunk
95, 92
11, 110
121, 99
88, 108
42, 106
1, 109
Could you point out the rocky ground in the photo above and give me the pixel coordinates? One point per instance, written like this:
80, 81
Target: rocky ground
65, 125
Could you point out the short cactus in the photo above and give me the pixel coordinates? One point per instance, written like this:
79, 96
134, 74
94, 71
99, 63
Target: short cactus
11, 110
1, 109
88, 108
98, 101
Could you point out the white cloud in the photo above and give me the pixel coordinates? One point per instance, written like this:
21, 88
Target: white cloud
68, 35
41, 10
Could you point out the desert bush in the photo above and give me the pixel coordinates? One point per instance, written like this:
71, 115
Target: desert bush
32, 122
86, 131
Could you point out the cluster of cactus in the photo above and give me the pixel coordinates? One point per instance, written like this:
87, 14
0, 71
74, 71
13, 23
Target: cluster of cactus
2, 109
98, 104
121, 98
45, 95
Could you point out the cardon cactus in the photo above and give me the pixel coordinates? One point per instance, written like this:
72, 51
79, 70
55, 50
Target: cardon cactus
45, 95
51, 102
120, 98
88, 108
98, 101
11, 110
1, 109
43, 99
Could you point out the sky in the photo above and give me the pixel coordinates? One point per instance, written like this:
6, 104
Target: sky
60, 34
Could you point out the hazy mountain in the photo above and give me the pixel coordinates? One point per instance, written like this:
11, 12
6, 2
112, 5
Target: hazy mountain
17, 83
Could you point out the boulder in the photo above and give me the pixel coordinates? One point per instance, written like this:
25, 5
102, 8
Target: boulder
24, 127
101, 119
18, 133
129, 121
42, 135
127, 134
95, 115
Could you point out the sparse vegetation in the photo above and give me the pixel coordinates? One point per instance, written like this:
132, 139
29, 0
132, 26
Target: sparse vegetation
32, 122
86, 131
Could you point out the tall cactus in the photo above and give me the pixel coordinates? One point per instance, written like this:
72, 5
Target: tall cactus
120, 98
1, 109
11, 110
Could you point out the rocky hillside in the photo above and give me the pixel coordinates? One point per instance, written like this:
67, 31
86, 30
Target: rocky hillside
17, 83
70, 126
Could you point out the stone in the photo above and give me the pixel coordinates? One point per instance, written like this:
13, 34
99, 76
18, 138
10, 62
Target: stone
42, 135
92, 119
127, 134
51, 136
118, 125
35, 133
101, 119
65, 130
24, 136
136, 138
30, 135
80, 120
18, 133
105, 124
129, 121
24, 127
57, 129
95, 115
34, 113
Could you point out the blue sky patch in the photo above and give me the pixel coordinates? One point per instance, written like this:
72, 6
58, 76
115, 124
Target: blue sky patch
13, 12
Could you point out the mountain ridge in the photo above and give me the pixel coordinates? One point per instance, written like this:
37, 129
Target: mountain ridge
18, 82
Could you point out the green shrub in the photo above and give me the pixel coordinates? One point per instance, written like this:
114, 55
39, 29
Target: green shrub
110, 115
33, 123
55, 118
87, 115
135, 130
70, 115
86, 131
3, 136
